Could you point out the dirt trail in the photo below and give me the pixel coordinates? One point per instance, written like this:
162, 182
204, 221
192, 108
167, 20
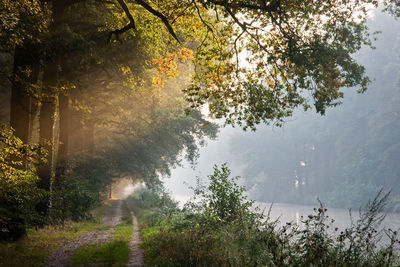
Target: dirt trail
111, 218
136, 255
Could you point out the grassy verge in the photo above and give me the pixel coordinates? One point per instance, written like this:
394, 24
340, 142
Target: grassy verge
38, 244
33, 249
115, 253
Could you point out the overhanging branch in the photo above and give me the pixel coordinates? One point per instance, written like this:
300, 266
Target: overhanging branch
262, 6
131, 24
160, 15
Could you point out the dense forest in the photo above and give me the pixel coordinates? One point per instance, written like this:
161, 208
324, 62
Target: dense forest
93, 92
344, 157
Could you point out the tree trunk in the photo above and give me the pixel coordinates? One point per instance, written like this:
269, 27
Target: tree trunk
47, 140
76, 132
48, 112
25, 73
63, 144
89, 138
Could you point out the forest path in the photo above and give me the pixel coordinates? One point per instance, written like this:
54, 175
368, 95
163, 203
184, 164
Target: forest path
112, 217
136, 252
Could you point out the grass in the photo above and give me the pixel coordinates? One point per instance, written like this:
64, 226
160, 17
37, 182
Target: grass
38, 244
33, 249
115, 253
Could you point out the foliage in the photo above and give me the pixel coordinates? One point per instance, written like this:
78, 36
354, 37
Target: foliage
107, 63
193, 237
342, 158
75, 195
21, 22
18, 191
152, 205
296, 52
223, 200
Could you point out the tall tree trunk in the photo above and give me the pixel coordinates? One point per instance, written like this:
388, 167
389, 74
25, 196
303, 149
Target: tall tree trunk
64, 138
25, 73
89, 137
47, 140
76, 132
48, 112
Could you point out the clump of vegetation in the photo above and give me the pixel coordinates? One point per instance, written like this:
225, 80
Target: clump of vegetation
18, 191
81, 190
223, 230
21, 197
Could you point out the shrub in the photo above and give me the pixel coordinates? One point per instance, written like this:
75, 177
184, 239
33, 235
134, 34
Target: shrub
73, 200
76, 193
224, 199
18, 191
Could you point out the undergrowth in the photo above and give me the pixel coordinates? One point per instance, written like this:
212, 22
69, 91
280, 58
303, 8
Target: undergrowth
38, 244
223, 230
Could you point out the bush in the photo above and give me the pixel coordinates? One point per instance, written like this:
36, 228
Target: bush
152, 205
80, 189
18, 191
73, 200
224, 200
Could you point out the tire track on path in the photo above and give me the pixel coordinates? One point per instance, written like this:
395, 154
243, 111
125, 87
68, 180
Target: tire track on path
136, 258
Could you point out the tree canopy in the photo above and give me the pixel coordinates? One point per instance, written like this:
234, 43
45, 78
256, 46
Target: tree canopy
119, 85
256, 61
344, 157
